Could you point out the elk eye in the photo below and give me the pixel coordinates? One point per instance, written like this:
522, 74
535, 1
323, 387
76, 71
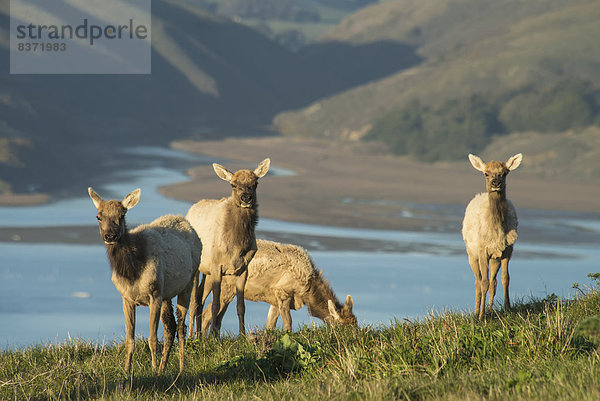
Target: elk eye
99, 218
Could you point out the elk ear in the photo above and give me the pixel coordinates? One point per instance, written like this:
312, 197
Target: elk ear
222, 172
477, 163
332, 311
349, 303
132, 199
95, 198
514, 161
262, 168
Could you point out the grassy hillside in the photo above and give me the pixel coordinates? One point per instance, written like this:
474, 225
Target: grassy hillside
540, 350
488, 68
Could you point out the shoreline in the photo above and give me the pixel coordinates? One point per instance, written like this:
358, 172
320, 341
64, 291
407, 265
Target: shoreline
351, 185
348, 185
359, 186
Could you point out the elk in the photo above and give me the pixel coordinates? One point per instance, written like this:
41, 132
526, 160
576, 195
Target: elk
150, 264
226, 230
489, 230
285, 276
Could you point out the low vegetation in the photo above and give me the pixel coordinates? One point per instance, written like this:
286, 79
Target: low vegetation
467, 126
540, 350
460, 126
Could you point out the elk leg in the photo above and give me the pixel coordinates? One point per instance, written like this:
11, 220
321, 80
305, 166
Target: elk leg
505, 281
286, 317
240, 283
227, 294
216, 278
272, 317
166, 316
183, 301
474, 263
224, 306
193, 305
155, 307
129, 312
494, 267
207, 313
206, 318
485, 283
203, 291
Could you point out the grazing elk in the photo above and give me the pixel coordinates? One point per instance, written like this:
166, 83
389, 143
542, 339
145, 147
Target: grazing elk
490, 230
226, 229
150, 264
285, 276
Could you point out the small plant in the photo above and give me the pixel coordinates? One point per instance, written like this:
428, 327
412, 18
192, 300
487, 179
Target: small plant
287, 356
589, 329
595, 278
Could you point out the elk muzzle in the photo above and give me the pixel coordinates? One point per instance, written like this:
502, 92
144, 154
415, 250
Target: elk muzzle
246, 200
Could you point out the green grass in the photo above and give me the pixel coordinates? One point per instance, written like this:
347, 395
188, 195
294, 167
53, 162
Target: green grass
540, 350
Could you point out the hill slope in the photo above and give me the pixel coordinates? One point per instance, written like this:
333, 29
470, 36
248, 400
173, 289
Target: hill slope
488, 68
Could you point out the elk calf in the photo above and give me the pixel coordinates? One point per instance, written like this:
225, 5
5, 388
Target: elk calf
150, 265
490, 230
285, 276
226, 229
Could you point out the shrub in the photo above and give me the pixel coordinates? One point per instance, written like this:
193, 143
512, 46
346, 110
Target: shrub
552, 109
446, 132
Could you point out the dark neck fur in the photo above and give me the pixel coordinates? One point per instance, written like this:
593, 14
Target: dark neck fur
498, 208
240, 224
128, 256
318, 294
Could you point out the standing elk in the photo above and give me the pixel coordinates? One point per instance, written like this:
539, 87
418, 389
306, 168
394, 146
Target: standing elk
226, 230
285, 276
490, 230
150, 264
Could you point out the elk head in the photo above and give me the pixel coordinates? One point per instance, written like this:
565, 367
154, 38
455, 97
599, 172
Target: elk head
243, 182
344, 316
496, 172
111, 215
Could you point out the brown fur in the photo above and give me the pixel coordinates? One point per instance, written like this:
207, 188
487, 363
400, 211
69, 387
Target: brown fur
285, 276
226, 229
490, 230
319, 293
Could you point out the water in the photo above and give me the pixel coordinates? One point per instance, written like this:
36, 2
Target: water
52, 292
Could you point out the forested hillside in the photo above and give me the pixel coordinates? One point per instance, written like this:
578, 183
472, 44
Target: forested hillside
488, 68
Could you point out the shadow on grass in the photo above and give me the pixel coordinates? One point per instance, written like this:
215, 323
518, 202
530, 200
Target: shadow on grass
281, 357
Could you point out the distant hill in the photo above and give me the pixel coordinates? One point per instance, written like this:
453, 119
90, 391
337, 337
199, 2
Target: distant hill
292, 23
488, 68
209, 75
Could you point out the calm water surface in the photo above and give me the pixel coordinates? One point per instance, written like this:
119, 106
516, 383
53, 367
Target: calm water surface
52, 292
